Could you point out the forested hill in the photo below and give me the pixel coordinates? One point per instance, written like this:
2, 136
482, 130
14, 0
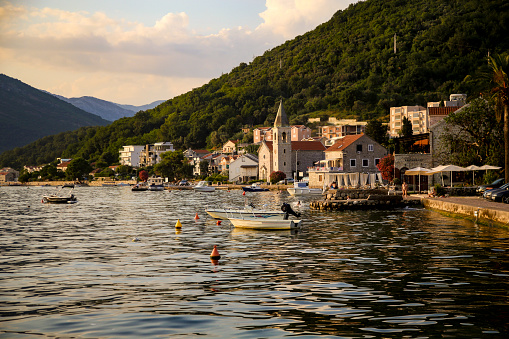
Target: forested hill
346, 67
27, 114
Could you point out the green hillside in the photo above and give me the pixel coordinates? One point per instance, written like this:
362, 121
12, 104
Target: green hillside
345, 67
28, 114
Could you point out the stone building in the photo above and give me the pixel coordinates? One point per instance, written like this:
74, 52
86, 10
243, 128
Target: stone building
354, 155
282, 154
8, 174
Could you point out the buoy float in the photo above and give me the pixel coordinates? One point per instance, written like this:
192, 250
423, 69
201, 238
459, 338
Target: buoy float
178, 224
215, 254
196, 217
218, 222
244, 193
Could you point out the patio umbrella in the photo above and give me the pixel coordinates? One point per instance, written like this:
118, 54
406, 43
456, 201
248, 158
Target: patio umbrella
447, 168
473, 168
418, 171
489, 167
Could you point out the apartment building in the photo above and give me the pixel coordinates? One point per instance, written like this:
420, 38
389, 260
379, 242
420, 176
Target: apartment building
417, 115
151, 153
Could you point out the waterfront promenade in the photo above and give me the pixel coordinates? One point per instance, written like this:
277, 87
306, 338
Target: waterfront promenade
475, 208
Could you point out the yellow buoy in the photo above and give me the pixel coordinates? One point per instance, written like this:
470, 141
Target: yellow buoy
178, 224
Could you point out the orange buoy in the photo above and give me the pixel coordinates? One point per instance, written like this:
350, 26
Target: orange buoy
196, 217
218, 222
244, 193
215, 254
178, 224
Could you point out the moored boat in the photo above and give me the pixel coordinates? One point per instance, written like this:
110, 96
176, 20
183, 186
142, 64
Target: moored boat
203, 186
139, 188
302, 188
254, 188
223, 214
59, 199
265, 224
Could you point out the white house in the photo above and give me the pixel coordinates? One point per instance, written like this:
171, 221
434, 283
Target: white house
130, 155
244, 168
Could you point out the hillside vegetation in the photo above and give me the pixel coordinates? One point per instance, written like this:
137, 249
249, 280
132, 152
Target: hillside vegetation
28, 114
346, 67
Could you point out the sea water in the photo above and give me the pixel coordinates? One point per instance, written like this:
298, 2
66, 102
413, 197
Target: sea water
114, 266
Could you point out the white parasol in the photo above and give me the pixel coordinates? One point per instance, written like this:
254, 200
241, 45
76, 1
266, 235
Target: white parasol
418, 171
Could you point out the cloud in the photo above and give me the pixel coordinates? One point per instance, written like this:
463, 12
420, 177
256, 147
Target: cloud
94, 46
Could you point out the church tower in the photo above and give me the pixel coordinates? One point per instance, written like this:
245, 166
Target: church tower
282, 143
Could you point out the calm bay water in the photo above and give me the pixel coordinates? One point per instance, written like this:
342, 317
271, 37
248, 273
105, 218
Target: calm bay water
75, 271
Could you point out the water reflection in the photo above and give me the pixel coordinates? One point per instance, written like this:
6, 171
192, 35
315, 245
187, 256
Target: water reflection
75, 270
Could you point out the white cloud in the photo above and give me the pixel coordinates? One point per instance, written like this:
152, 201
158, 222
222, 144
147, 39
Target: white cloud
53, 44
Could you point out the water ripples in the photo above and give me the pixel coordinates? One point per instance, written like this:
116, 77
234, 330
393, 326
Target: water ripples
113, 265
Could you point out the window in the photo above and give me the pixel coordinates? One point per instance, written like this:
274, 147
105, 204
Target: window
352, 163
365, 162
359, 148
370, 147
284, 163
283, 136
284, 150
320, 178
377, 161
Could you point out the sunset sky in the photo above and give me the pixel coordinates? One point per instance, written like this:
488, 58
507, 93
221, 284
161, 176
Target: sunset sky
136, 52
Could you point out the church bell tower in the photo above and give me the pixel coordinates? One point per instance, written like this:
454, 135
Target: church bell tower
282, 142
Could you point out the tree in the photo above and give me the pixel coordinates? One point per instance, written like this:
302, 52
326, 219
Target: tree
406, 128
472, 136
252, 149
377, 131
77, 169
143, 175
277, 176
204, 167
386, 167
499, 67
174, 166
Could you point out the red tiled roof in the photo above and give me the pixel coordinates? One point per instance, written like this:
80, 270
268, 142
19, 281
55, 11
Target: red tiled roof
442, 110
343, 143
301, 146
203, 151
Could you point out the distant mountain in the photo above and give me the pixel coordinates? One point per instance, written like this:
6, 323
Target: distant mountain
106, 109
143, 107
28, 114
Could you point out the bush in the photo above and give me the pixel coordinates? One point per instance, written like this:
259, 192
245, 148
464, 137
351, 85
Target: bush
277, 176
439, 190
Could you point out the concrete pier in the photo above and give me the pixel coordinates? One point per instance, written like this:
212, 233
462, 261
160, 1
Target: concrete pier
476, 209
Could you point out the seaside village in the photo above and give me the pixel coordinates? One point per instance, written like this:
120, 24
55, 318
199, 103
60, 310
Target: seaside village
341, 155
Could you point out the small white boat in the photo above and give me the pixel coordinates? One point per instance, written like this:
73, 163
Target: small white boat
155, 187
203, 186
302, 188
59, 199
265, 224
223, 214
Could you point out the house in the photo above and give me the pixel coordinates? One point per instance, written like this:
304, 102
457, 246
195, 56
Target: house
230, 146
341, 128
282, 154
243, 169
417, 115
300, 132
352, 154
130, 155
225, 162
262, 133
151, 153
31, 169
190, 154
436, 114
8, 174
63, 166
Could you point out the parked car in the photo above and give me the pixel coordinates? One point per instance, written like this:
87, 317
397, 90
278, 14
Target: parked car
489, 193
495, 184
183, 183
500, 193
286, 181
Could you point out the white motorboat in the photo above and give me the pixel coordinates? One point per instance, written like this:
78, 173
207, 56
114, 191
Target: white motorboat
265, 224
59, 199
155, 187
302, 188
203, 186
223, 214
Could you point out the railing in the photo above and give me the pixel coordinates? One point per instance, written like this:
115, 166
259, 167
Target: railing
325, 169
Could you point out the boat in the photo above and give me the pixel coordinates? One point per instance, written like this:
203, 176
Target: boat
203, 186
254, 188
265, 224
59, 199
139, 188
68, 185
302, 188
223, 214
155, 187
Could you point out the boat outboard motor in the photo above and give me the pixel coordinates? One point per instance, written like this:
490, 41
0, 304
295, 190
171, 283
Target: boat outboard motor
288, 210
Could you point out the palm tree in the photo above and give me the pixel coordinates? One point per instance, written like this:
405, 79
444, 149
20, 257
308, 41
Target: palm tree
499, 67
